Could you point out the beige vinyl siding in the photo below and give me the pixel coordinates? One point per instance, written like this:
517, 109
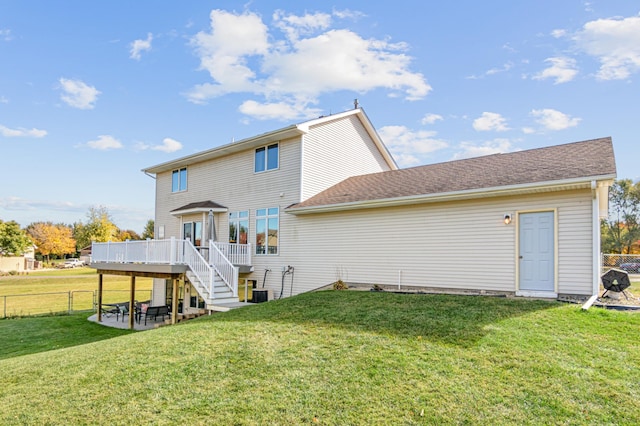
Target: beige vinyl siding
461, 245
334, 151
231, 182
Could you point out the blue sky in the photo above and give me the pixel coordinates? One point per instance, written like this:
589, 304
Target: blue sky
92, 92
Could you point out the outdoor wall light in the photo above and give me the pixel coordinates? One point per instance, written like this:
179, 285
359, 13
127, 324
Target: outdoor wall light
507, 218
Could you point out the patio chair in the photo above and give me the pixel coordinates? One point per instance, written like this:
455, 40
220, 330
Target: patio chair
124, 309
109, 310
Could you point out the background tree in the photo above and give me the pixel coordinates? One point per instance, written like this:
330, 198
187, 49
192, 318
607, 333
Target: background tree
13, 240
52, 240
99, 228
127, 234
148, 231
621, 231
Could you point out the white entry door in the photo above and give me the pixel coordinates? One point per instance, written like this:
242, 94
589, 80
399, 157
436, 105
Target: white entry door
537, 252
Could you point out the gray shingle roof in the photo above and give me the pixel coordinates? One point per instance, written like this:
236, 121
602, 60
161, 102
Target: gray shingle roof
576, 160
200, 205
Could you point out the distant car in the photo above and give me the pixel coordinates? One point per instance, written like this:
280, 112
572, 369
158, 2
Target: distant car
632, 266
72, 263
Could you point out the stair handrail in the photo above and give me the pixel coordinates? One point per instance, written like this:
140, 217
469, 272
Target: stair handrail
199, 266
223, 266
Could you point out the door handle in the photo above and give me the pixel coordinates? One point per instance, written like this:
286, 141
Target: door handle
521, 257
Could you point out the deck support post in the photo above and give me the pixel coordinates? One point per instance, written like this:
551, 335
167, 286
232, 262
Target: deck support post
99, 297
174, 302
132, 302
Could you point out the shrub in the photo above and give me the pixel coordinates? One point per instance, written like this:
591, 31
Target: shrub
340, 285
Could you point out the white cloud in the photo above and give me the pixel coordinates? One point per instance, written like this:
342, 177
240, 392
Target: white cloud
410, 147
552, 119
5, 34
168, 145
562, 69
77, 94
496, 146
4, 100
490, 121
277, 110
431, 118
22, 204
139, 46
559, 33
294, 26
22, 133
348, 14
242, 56
615, 42
528, 130
504, 68
104, 143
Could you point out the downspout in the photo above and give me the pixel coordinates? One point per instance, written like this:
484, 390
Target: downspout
596, 267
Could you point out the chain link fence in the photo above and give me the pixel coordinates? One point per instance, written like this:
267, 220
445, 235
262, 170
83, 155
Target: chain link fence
626, 262
64, 302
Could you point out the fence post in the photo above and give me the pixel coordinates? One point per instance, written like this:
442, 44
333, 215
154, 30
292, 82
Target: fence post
70, 302
5, 306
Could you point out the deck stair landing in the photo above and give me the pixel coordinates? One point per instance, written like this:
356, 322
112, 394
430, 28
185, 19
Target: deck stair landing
221, 292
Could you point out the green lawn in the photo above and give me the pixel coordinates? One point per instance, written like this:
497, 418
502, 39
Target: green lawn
345, 358
25, 336
45, 292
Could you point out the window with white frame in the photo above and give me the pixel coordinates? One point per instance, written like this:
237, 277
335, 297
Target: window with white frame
267, 224
238, 227
266, 158
179, 180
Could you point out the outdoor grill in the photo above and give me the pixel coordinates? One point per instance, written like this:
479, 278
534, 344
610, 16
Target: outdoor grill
615, 280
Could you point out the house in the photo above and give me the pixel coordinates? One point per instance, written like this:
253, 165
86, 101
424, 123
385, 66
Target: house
19, 264
298, 208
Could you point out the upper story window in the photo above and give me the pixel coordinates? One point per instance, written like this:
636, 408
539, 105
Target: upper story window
266, 158
179, 180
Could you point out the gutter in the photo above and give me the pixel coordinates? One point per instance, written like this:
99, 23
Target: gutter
576, 183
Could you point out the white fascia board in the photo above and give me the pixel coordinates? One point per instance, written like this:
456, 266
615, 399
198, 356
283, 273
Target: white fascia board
500, 191
241, 145
198, 210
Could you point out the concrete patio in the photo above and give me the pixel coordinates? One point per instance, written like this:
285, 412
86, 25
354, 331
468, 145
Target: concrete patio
110, 320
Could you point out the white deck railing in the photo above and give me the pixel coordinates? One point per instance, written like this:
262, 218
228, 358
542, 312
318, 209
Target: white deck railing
149, 251
221, 257
224, 267
198, 265
238, 254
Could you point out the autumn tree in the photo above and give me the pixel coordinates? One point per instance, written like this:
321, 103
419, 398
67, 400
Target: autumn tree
621, 231
13, 240
52, 240
99, 228
127, 234
148, 231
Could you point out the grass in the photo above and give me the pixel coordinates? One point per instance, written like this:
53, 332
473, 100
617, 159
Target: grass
25, 336
45, 292
345, 357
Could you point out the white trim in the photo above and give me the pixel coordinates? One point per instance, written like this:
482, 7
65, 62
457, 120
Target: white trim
271, 137
540, 294
498, 191
556, 233
198, 210
595, 219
